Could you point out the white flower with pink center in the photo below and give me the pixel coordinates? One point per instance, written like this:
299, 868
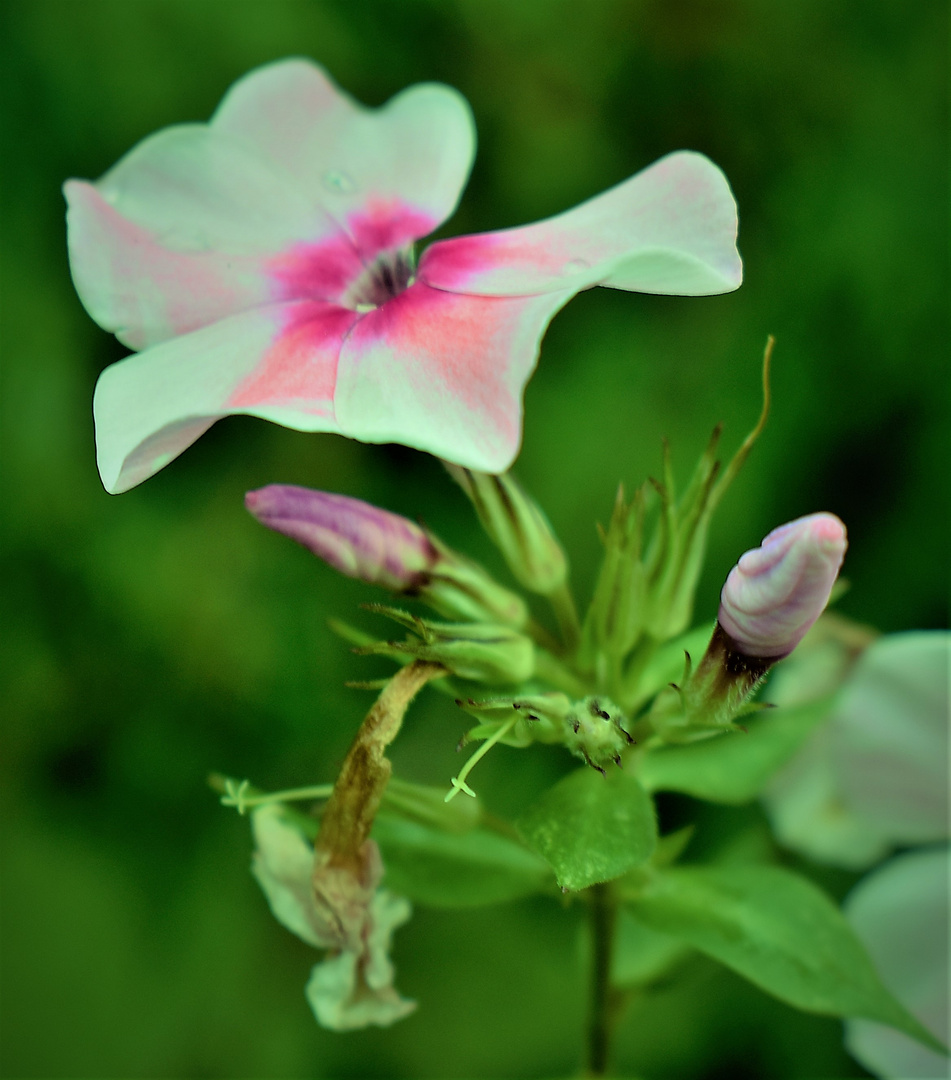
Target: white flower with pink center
263, 264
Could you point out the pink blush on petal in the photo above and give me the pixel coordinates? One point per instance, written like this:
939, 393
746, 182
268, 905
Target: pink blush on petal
455, 350
301, 363
386, 224
143, 291
427, 325
324, 270
327, 269
455, 263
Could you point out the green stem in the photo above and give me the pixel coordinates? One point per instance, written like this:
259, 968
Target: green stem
563, 604
603, 910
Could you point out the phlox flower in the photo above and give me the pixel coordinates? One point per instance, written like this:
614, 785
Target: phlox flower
263, 264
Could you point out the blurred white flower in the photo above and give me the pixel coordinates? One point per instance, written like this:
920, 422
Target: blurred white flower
873, 778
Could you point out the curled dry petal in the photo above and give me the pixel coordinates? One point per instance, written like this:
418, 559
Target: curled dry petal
354, 537
330, 894
342, 910
262, 264
777, 591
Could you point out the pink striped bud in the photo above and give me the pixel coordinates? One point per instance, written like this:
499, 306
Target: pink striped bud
777, 591
380, 548
354, 537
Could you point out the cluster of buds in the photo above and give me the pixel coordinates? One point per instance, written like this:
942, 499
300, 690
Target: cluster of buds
770, 599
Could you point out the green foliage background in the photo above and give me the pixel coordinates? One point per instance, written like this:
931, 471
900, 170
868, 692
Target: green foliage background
153, 637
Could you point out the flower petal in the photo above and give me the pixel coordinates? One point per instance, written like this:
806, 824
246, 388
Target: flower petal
417, 149
806, 812
341, 1001
289, 193
134, 284
889, 737
278, 362
901, 914
776, 592
443, 372
283, 863
669, 229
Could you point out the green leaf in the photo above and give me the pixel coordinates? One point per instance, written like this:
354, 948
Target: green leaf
445, 869
733, 767
591, 827
780, 932
643, 955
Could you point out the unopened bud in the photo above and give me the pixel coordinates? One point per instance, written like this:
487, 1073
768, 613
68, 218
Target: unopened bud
354, 537
771, 598
518, 528
777, 591
380, 548
484, 653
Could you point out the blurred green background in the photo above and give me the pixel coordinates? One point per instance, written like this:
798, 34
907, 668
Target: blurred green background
155, 636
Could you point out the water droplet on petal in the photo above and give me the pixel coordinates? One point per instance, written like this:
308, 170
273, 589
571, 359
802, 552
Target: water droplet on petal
575, 266
340, 183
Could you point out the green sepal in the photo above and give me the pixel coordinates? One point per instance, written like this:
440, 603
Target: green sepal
460, 589
675, 556
455, 870
480, 652
517, 526
778, 930
671, 846
591, 827
653, 667
541, 717
614, 621
733, 768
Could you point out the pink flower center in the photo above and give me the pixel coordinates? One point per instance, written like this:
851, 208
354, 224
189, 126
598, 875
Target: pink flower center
390, 273
359, 267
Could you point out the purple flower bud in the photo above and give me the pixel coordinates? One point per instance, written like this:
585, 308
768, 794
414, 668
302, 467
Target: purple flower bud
776, 592
354, 537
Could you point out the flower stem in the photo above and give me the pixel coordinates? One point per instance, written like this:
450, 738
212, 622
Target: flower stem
603, 910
